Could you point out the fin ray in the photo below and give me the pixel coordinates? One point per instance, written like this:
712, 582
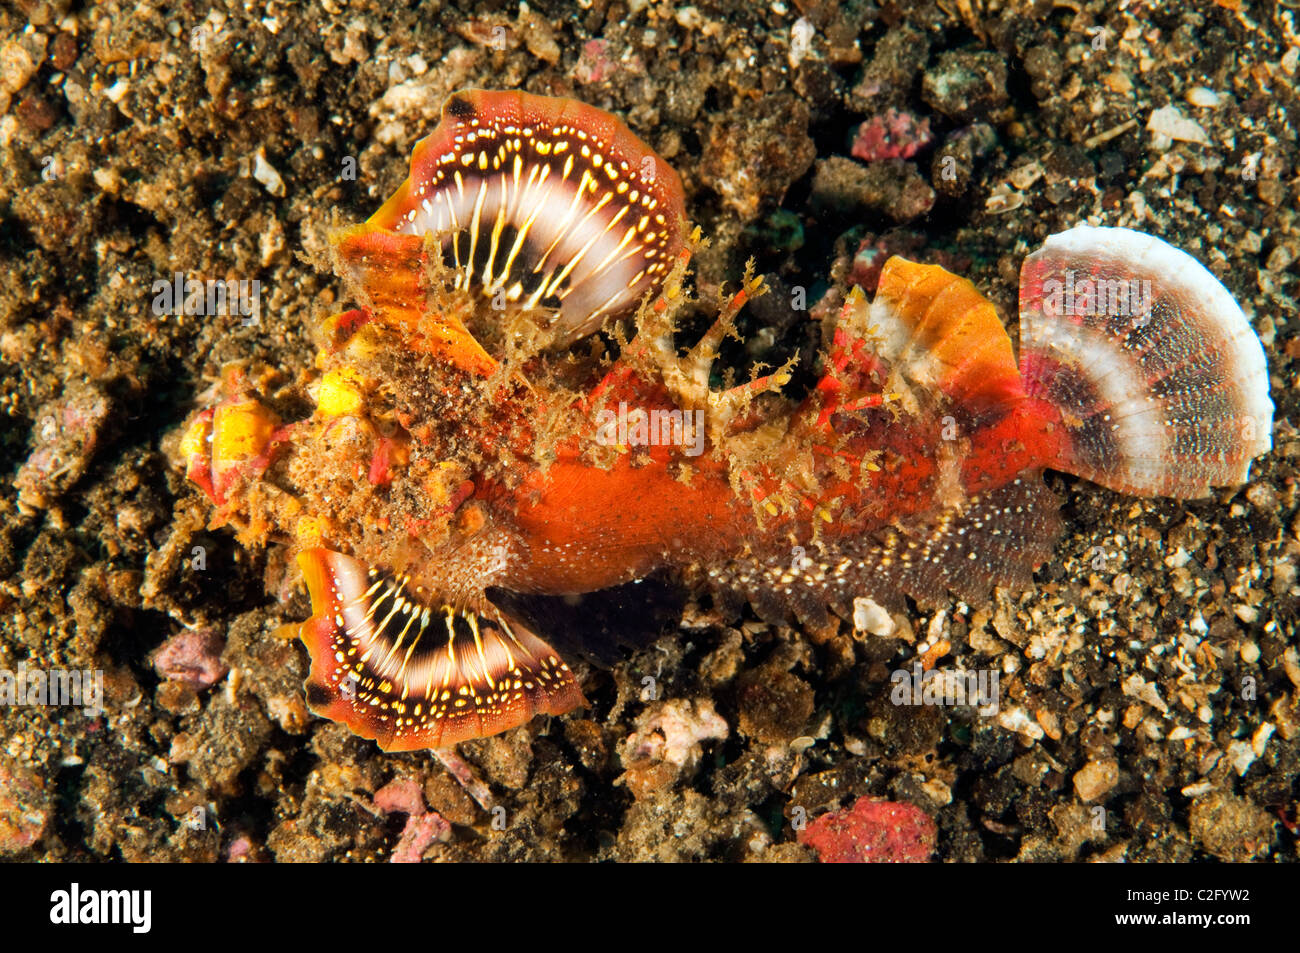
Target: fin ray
484, 674
938, 340
1154, 371
567, 227
997, 538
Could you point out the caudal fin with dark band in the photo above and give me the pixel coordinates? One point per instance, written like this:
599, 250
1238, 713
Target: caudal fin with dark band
1157, 376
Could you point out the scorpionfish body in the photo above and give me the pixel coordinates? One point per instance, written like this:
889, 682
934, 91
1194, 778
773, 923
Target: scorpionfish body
469, 435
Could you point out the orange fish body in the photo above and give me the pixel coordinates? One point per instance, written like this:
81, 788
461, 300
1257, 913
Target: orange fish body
464, 438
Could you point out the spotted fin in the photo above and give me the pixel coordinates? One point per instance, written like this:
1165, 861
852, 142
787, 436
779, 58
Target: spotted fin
395, 664
997, 538
545, 204
1153, 370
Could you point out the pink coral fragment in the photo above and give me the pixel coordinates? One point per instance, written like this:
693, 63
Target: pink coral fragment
420, 832
403, 797
423, 827
891, 135
192, 656
594, 65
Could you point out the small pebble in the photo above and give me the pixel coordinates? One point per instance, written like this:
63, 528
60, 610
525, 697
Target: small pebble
870, 616
1095, 779
192, 656
1169, 122
801, 35
265, 173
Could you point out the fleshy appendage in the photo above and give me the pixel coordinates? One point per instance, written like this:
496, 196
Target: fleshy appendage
543, 204
1158, 379
397, 665
391, 274
228, 447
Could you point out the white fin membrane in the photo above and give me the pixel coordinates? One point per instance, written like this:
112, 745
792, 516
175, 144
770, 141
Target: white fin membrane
1155, 371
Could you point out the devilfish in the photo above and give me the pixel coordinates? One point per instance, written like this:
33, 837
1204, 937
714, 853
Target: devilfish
469, 436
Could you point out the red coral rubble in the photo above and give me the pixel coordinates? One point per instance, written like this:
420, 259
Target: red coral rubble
891, 135
872, 832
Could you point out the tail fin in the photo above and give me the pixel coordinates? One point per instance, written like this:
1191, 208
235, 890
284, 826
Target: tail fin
1155, 372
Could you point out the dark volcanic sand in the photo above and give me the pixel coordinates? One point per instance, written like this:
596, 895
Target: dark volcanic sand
135, 144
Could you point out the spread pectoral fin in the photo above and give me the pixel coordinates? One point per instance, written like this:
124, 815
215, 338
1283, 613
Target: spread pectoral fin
395, 664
